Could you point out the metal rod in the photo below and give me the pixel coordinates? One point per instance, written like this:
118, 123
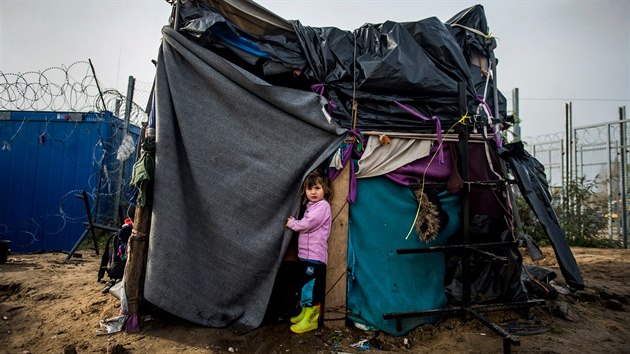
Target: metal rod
100, 178
465, 195
609, 185
498, 330
97, 85
508, 339
88, 229
516, 114
567, 161
459, 310
571, 168
102, 227
121, 172
473, 138
624, 164
495, 90
618, 193
454, 247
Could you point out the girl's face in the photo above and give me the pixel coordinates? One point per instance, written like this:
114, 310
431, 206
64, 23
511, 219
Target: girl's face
315, 193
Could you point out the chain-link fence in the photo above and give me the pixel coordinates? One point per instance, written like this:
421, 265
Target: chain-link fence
587, 172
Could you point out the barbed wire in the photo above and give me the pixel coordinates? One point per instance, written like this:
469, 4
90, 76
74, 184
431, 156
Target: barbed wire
70, 88
547, 138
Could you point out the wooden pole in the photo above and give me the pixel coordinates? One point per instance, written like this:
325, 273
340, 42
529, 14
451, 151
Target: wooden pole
335, 302
137, 259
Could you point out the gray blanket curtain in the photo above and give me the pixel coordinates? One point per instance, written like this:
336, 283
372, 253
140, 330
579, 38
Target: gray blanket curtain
232, 151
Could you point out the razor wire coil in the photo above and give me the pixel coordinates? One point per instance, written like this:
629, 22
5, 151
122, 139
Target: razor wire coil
70, 88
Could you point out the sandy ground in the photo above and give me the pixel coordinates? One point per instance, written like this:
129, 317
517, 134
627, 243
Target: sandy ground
48, 304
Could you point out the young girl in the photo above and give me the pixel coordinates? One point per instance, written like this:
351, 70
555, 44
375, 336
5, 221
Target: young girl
314, 229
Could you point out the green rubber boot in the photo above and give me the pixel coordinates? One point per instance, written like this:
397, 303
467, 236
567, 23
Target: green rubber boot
309, 322
298, 318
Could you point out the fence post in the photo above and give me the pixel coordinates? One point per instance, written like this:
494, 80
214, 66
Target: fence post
568, 164
516, 114
610, 183
121, 173
624, 163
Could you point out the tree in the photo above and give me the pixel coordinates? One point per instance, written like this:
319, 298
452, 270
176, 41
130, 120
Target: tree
582, 216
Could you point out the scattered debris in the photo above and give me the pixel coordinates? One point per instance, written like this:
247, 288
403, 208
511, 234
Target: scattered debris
361, 345
111, 325
565, 311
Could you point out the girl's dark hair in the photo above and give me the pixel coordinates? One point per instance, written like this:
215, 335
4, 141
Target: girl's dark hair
317, 177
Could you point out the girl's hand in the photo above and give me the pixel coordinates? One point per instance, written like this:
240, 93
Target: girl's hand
289, 219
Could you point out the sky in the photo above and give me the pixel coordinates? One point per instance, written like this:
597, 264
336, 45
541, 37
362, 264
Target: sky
554, 52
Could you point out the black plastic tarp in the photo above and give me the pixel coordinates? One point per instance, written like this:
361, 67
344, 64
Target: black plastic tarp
230, 160
532, 182
418, 64
470, 29
422, 64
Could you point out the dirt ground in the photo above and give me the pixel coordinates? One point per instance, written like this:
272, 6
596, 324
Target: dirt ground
48, 304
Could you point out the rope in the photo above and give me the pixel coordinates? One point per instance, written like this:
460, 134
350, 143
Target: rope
536, 281
340, 210
335, 283
473, 30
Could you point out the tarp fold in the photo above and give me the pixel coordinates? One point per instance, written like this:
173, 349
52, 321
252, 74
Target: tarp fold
233, 151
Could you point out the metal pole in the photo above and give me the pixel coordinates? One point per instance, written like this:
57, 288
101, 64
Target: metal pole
571, 153
624, 163
567, 161
550, 173
466, 282
516, 114
581, 161
563, 185
100, 173
129, 102
610, 185
97, 85
618, 191
495, 91
121, 172
117, 108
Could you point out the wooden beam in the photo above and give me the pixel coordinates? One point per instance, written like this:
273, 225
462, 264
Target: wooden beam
137, 249
473, 137
335, 302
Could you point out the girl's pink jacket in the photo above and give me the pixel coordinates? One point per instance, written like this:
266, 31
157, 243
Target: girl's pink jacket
314, 229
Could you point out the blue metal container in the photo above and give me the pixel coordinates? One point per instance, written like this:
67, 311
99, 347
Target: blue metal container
46, 160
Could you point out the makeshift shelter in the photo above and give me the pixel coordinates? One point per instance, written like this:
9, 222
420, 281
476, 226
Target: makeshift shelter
247, 103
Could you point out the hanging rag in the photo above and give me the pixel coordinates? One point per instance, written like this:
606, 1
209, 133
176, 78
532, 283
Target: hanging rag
143, 172
379, 159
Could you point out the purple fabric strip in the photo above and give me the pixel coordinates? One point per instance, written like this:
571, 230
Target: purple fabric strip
495, 128
133, 325
320, 90
438, 126
348, 153
413, 172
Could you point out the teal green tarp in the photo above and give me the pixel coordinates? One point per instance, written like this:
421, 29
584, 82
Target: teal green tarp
381, 281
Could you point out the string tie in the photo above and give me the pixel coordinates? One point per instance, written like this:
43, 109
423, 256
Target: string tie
320, 90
